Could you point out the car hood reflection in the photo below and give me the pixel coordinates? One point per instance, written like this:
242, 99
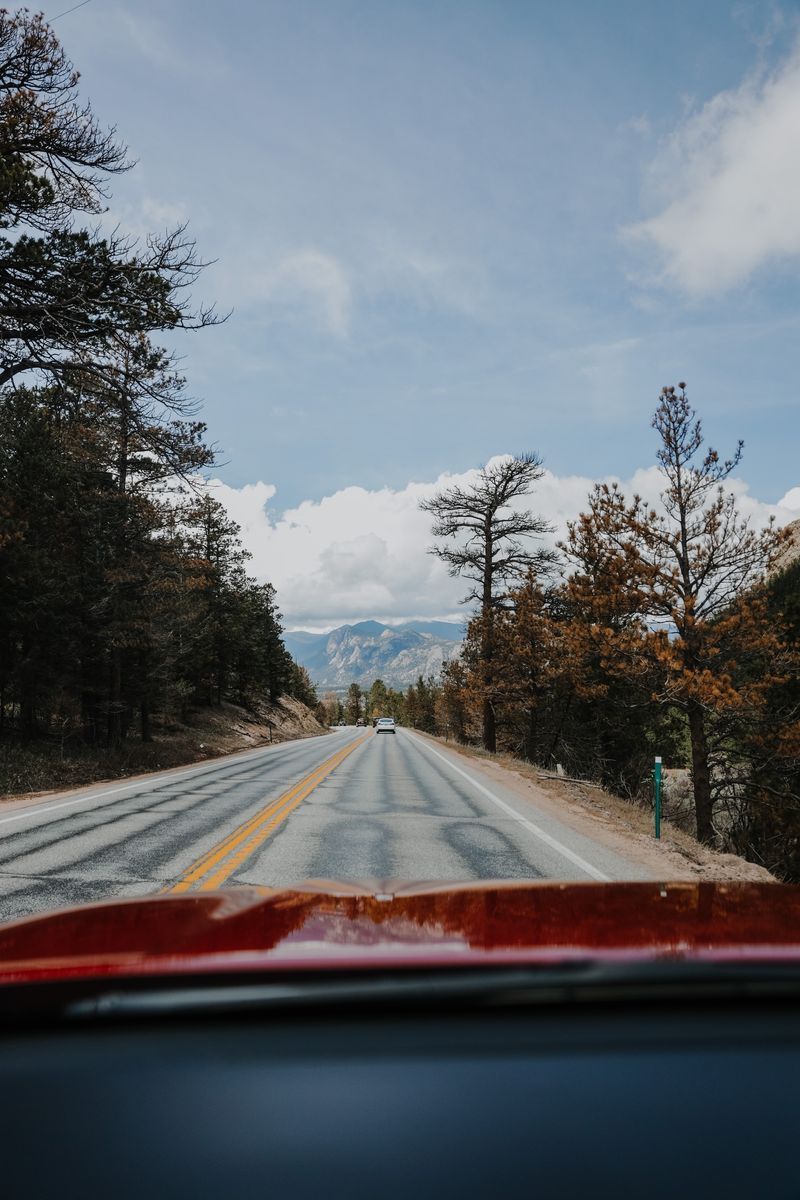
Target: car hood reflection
377, 923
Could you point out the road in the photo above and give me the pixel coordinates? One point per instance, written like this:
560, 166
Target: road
353, 805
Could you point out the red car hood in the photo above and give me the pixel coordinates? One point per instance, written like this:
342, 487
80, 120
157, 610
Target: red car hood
334, 925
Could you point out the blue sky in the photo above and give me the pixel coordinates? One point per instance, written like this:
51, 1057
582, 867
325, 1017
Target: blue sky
452, 230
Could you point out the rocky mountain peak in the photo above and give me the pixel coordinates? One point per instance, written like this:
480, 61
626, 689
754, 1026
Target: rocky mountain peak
370, 650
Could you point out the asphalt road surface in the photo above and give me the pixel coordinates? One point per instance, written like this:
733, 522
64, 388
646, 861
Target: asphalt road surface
354, 805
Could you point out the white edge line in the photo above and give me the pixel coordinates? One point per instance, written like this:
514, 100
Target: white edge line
33, 810
559, 847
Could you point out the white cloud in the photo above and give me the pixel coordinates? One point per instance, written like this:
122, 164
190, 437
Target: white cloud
358, 554
728, 179
791, 500
351, 555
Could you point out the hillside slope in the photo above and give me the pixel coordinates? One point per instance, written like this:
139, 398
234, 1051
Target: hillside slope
206, 733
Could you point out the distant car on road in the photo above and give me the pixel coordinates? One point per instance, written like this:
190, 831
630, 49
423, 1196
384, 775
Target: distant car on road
360, 721
385, 725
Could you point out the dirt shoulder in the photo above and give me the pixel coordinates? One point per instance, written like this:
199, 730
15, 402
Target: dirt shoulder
611, 821
38, 770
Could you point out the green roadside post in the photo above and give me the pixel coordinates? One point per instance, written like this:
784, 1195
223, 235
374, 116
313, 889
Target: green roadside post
657, 793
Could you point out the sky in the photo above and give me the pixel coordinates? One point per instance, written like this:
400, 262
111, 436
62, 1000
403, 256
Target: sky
451, 230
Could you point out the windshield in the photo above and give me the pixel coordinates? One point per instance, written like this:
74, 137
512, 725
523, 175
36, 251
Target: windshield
398, 473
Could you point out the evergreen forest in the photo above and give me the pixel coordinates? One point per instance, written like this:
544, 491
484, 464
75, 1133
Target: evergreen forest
124, 594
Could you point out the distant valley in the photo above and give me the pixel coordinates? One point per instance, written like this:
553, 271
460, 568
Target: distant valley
368, 650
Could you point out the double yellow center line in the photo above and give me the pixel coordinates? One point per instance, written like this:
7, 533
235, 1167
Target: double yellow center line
212, 869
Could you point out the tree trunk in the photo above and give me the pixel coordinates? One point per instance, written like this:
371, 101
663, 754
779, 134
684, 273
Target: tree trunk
551, 754
489, 726
701, 774
114, 723
461, 723
27, 717
531, 734
487, 646
27, 691
115, 729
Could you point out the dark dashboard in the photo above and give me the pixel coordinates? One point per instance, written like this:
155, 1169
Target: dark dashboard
641, 1097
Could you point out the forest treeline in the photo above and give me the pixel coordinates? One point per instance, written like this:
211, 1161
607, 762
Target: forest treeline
124, 592
415, 707
667, 627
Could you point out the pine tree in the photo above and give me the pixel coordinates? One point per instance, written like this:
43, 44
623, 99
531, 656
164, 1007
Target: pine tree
487, 541
66, 292
680, 583
354, 697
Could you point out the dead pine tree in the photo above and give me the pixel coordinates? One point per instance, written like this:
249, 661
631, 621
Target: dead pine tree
487, 541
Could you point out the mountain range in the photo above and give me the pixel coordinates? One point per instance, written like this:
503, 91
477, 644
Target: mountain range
361, 653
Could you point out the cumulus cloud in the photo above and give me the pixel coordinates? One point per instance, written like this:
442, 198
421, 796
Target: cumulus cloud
363, 554
728, 179
349, 556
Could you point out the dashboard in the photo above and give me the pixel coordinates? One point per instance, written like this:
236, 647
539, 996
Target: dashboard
657, 1099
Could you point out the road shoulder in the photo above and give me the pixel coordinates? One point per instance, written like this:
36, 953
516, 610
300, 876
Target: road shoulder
609, 820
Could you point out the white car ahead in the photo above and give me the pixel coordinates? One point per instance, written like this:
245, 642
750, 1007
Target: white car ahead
385, 725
